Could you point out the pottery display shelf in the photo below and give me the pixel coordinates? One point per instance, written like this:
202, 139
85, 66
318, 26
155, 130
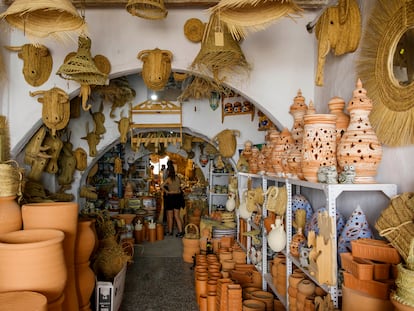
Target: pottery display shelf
331, 192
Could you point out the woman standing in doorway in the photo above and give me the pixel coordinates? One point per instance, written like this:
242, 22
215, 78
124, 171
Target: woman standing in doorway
173, 200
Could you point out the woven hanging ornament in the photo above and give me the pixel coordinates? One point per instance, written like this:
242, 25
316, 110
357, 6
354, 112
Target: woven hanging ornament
82, 69
243, 16
148, 9
219, 51
43, 18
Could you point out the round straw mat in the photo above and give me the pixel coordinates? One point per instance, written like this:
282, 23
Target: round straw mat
194, 29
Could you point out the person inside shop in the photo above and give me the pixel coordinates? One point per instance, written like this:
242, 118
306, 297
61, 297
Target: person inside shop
173, 200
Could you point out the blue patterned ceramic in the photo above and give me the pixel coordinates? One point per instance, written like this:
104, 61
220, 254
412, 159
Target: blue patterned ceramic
313, 223
299, 201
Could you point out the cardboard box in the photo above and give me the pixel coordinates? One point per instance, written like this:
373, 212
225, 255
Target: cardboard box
109, 295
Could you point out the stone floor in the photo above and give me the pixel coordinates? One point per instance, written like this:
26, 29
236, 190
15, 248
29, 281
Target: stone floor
159, 279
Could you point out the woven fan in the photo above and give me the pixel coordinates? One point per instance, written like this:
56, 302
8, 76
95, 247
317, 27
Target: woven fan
43, 18
148, 9
82, 69
243, 16
219, 51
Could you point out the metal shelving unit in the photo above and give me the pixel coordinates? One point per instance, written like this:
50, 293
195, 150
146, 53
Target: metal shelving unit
293, 186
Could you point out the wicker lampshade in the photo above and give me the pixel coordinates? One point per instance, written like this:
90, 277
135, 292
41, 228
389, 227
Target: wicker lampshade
43, 18
220, 55
242, 16
81, 67
149, 9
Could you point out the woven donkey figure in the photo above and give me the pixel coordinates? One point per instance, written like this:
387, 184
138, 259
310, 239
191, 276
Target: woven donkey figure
99, 120
93, 140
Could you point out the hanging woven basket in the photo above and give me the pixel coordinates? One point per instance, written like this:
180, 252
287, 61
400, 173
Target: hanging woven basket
149, 9
43, 18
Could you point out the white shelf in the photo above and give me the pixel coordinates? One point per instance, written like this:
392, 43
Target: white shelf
331, 192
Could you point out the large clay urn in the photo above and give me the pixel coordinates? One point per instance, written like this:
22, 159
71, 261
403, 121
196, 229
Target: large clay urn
33, 260
319, 144
10, 214
23, 300
359, 146
62, 216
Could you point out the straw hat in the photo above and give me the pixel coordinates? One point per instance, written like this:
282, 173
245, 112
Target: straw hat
38, 18
149, 9
242, 16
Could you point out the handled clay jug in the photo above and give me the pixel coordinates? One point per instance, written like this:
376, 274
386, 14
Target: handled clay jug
277, 236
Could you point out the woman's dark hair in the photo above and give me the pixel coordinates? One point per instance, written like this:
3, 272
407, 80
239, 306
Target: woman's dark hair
171, 172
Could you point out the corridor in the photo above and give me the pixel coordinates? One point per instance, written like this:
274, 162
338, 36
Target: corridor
159, 279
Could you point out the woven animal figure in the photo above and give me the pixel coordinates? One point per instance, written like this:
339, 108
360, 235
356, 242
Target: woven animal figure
93, 140
156, 68
227, 142
35, 154
339, 29
37, 62
99, 120
67, 164
123, 128
81, 158
56, 108
55, 146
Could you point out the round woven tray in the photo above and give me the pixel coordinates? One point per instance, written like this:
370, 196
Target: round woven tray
194, 29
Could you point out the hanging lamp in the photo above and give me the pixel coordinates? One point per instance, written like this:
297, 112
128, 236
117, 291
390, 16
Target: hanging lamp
148, 9
219, 52
243, 16
43, 18
82, 69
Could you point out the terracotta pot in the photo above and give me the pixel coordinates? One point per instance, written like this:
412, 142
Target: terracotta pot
264, 296
160, 232
10, 215
248, 291
62, 216
253, 305
23, 300
336, 107
203, 302
295, 279
211, 301
319, 144
360, 139
33, 260
139, 236
306, 287
85, 241
85, 284
201, 287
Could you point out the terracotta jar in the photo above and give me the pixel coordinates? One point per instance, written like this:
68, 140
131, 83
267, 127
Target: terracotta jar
85, 241
85, 284
298, 239
23, 300
319, 144
33, 260
336, 107
62, 216
10, 214
359, 146
253, 305
288, 144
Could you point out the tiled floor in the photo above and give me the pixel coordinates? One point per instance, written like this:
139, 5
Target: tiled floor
159, 279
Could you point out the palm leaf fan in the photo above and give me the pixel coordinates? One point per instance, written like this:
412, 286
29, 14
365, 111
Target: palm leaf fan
44, 18
219, 52
243, 16
82, 69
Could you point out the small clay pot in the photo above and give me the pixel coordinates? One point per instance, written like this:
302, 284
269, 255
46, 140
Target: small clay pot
306, 287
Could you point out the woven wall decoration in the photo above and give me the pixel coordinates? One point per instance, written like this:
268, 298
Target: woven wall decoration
243, 16
82, 69
45, 18
392, 116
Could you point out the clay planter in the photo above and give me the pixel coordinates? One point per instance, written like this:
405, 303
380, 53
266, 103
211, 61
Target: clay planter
62, 216
24, 300
264, 296
253, 305
359, 146
33, 260
10, 215
319, 144
306, 287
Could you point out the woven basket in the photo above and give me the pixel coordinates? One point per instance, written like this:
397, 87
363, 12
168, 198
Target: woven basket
11, 177
395, 223
191, 231
194, 29
38, 18
148, 9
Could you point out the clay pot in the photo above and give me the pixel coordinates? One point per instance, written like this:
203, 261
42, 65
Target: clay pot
248, 292
253, 305
298, 239
85, 241
211, 301
203, 302
85, 284
319, 144
33, 260
264, 296
10, 215
306, 287
62, 216
295, 279
160, 232
359, 146
336, 107
23, 300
